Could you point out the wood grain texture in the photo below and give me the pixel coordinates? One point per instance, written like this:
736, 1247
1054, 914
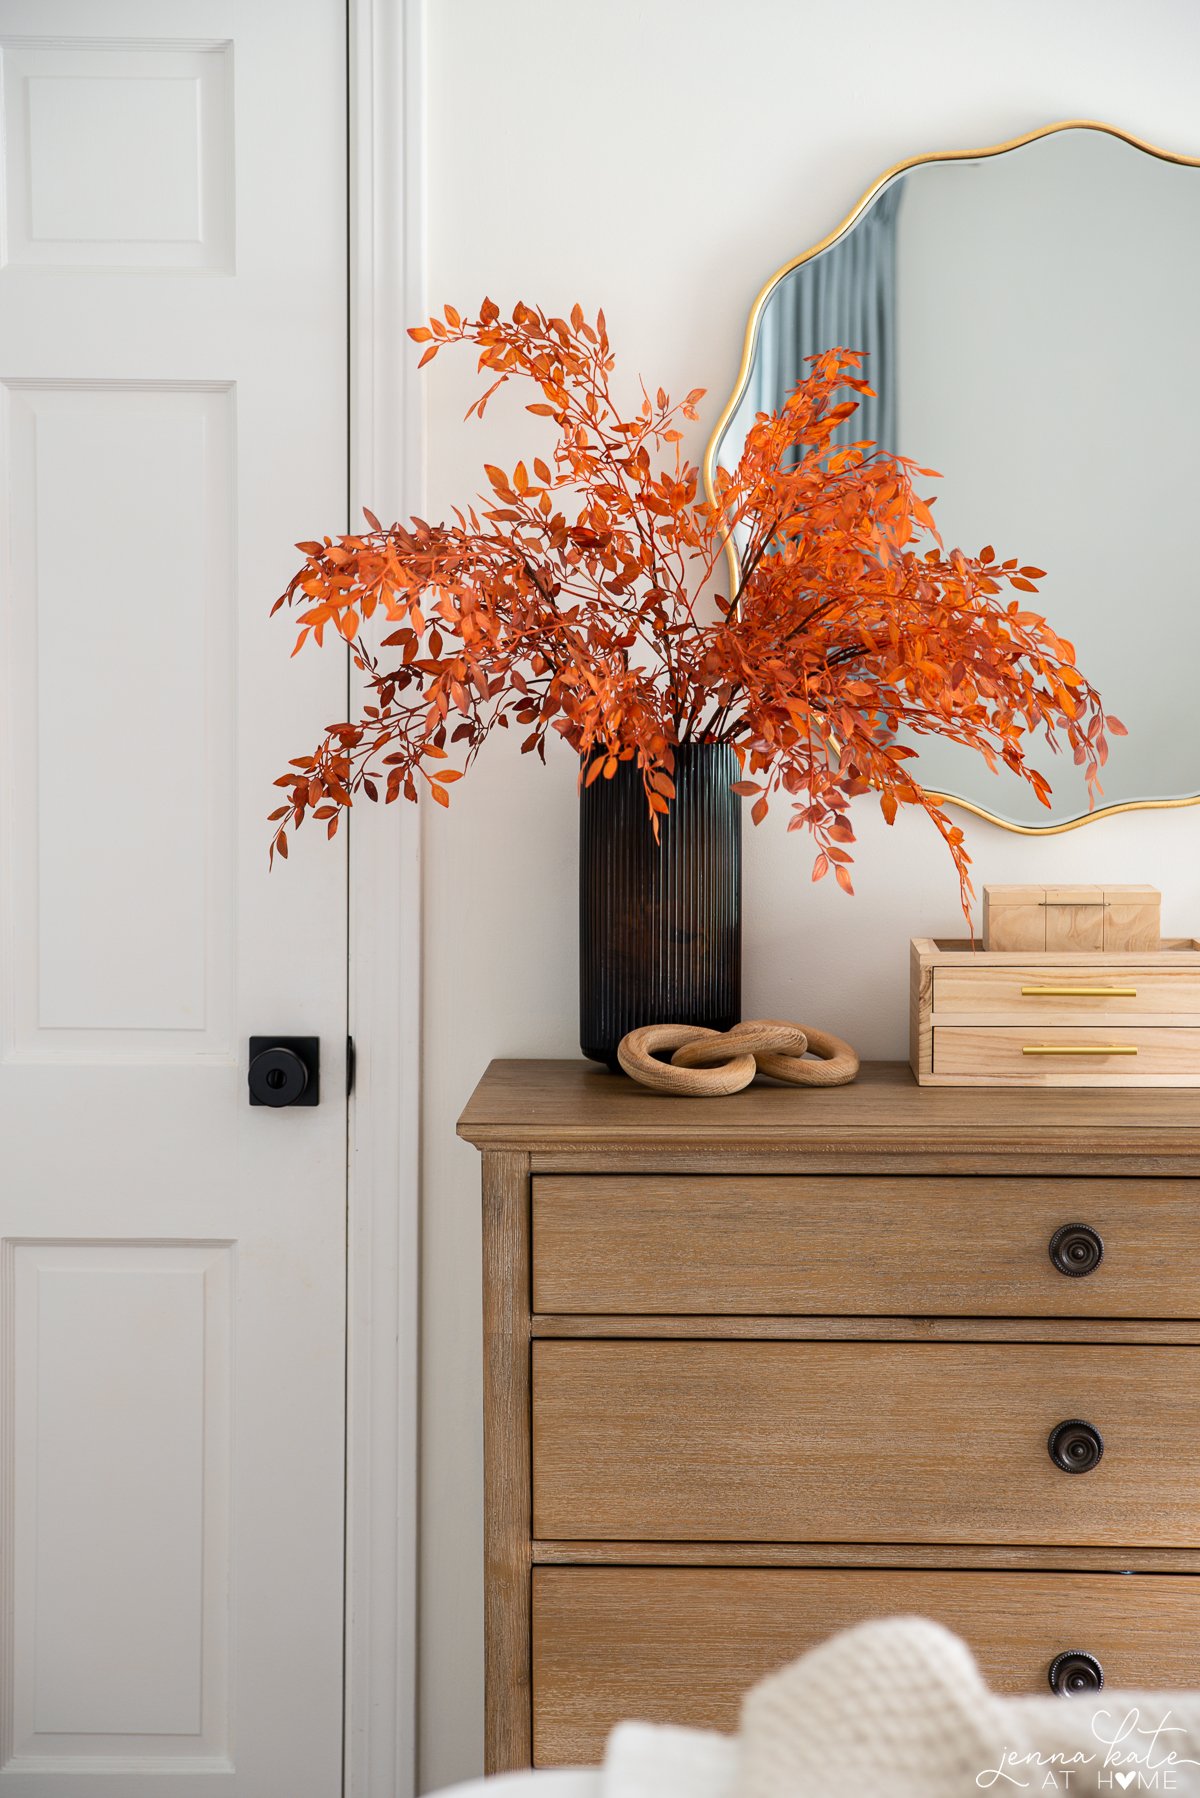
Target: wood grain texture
1182, 950
1012, 893
859, 1246
956, 1557
682, 1646
1159, 1055
866, 1442
1011, 928
554, 1107
1132, 919
636, 1053
668, 1462
1123, 1332
1169, 1158
506, 1465
1072, 918
967, 1010
973, 995
920, 1010
1074, 928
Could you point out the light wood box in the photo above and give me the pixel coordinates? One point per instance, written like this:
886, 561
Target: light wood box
760, 1367
982, 1017
1071, 919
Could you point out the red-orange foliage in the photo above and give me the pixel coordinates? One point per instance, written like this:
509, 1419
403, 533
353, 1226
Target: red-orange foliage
567, 600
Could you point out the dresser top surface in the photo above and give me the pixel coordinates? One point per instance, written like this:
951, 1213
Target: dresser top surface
537, 1106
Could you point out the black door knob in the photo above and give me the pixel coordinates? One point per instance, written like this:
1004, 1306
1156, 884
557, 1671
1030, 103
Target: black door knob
1074, 1671
284, 1070
1076, 1250
1075, 1446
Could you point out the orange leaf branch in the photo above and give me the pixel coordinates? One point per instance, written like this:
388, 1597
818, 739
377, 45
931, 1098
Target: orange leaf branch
564, 600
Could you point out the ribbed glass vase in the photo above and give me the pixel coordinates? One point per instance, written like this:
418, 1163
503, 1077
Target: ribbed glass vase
660, 924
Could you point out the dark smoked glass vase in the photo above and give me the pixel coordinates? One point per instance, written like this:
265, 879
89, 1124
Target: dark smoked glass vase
660, 924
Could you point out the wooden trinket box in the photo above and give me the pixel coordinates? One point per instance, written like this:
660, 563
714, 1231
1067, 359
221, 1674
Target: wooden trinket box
987, 1018
1070, 919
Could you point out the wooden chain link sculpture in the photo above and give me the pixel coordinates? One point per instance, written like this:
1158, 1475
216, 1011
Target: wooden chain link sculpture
711, 1063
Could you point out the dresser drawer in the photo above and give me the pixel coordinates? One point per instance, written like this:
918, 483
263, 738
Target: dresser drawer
842, 1246
1068, 1054
1065, 993
862, 1442
683, 1645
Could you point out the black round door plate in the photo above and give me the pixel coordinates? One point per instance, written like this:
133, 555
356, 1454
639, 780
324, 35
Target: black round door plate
273, 1077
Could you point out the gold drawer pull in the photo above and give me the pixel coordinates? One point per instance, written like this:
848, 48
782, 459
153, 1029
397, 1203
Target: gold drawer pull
1079, 992
1079, 1049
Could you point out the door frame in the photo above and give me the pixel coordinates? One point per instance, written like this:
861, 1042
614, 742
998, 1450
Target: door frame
386, 270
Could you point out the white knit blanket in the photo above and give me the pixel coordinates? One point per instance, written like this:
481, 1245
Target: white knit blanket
898, 1709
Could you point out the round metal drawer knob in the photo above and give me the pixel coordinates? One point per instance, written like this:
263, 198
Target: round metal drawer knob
1076, 1250
1075, 1446
1074, 1671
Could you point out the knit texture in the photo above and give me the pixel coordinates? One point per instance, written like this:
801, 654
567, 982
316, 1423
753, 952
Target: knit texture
898, 1707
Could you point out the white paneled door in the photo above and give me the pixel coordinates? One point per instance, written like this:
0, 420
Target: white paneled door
172, 1260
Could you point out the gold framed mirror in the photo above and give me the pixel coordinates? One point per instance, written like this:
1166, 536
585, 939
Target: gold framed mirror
1027, 311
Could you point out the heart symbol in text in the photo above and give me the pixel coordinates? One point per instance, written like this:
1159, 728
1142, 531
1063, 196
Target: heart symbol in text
1125, 1780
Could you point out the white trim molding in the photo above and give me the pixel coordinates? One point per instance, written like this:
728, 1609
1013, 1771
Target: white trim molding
386, 208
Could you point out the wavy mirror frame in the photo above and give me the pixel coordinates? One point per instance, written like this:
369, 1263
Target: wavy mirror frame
748, 347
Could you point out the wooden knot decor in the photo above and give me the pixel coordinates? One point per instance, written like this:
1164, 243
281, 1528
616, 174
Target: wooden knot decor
711, 1063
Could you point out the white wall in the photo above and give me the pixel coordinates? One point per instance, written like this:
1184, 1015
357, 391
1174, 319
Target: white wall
660, 158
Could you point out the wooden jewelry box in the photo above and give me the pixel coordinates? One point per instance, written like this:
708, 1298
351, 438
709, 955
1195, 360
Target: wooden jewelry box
1068, 919
989, 1018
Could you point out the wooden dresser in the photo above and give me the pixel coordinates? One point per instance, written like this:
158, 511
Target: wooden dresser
757, 1368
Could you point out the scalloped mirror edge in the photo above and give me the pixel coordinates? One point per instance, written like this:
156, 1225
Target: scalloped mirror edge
739, 388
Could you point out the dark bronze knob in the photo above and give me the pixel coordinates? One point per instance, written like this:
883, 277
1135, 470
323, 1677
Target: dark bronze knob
1074, 1671
1076, 1250
1075, 1446
277, 1077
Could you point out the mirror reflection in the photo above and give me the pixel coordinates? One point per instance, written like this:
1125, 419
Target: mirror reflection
1029, 321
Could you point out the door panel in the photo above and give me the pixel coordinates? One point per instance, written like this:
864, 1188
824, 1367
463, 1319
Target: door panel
145, 1536
136, 959
172, 1261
